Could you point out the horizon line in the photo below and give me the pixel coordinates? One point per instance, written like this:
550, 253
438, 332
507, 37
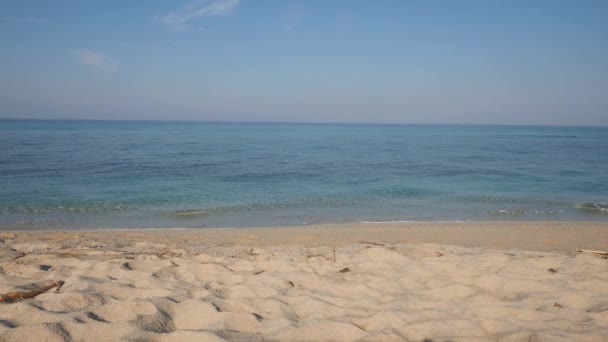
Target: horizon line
299, 122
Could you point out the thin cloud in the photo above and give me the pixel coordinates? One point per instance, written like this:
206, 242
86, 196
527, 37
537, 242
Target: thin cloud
95, 60
38, 21
180, 20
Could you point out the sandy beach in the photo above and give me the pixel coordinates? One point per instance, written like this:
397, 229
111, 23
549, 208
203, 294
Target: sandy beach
408, 281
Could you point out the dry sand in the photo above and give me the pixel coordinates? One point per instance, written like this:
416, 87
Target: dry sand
485, 281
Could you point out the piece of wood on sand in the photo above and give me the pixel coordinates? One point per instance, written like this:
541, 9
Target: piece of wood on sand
18, 296
371, 243
592, 252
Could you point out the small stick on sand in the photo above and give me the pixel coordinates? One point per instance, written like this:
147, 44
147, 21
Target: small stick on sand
20, 255
251, 252
358, 326
371, 243
439, 254
590, 251
18, 296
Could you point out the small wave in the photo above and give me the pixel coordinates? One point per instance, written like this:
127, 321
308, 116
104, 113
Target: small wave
248, 177
596, 208
188, 213
331, 202
486, 199
519, 212
32, 224
506, 200
536, 136
77, 209
400, 192
198, 213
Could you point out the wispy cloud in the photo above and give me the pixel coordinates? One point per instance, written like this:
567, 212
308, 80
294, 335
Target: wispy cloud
38, 21
292, 18
96, 60
180, 20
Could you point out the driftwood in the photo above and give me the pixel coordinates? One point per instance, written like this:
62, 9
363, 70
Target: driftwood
371, 243
358, 326
18, 296
592, 252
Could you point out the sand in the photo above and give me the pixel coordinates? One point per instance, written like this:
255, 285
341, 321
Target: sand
482, 281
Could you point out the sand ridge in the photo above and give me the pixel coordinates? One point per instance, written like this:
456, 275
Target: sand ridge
368, 291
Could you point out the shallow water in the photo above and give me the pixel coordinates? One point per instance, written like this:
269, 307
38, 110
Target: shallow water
89, 174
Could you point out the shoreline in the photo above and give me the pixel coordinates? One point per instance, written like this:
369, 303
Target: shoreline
555, 236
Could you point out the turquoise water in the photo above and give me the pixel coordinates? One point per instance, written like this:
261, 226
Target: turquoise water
91, 174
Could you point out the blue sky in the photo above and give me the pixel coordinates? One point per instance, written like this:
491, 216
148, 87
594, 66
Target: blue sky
483, 62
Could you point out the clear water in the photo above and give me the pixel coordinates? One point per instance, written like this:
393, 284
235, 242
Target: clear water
93, 174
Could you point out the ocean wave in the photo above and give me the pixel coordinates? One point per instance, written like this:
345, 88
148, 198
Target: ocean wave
536, 136
77, 209
330, 201
271, 176
530, 201
595, 208
197, 213
400, 192
486, 199
187, 213
32, 224
520, 212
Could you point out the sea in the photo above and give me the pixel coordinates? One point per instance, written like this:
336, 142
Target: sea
65, 174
